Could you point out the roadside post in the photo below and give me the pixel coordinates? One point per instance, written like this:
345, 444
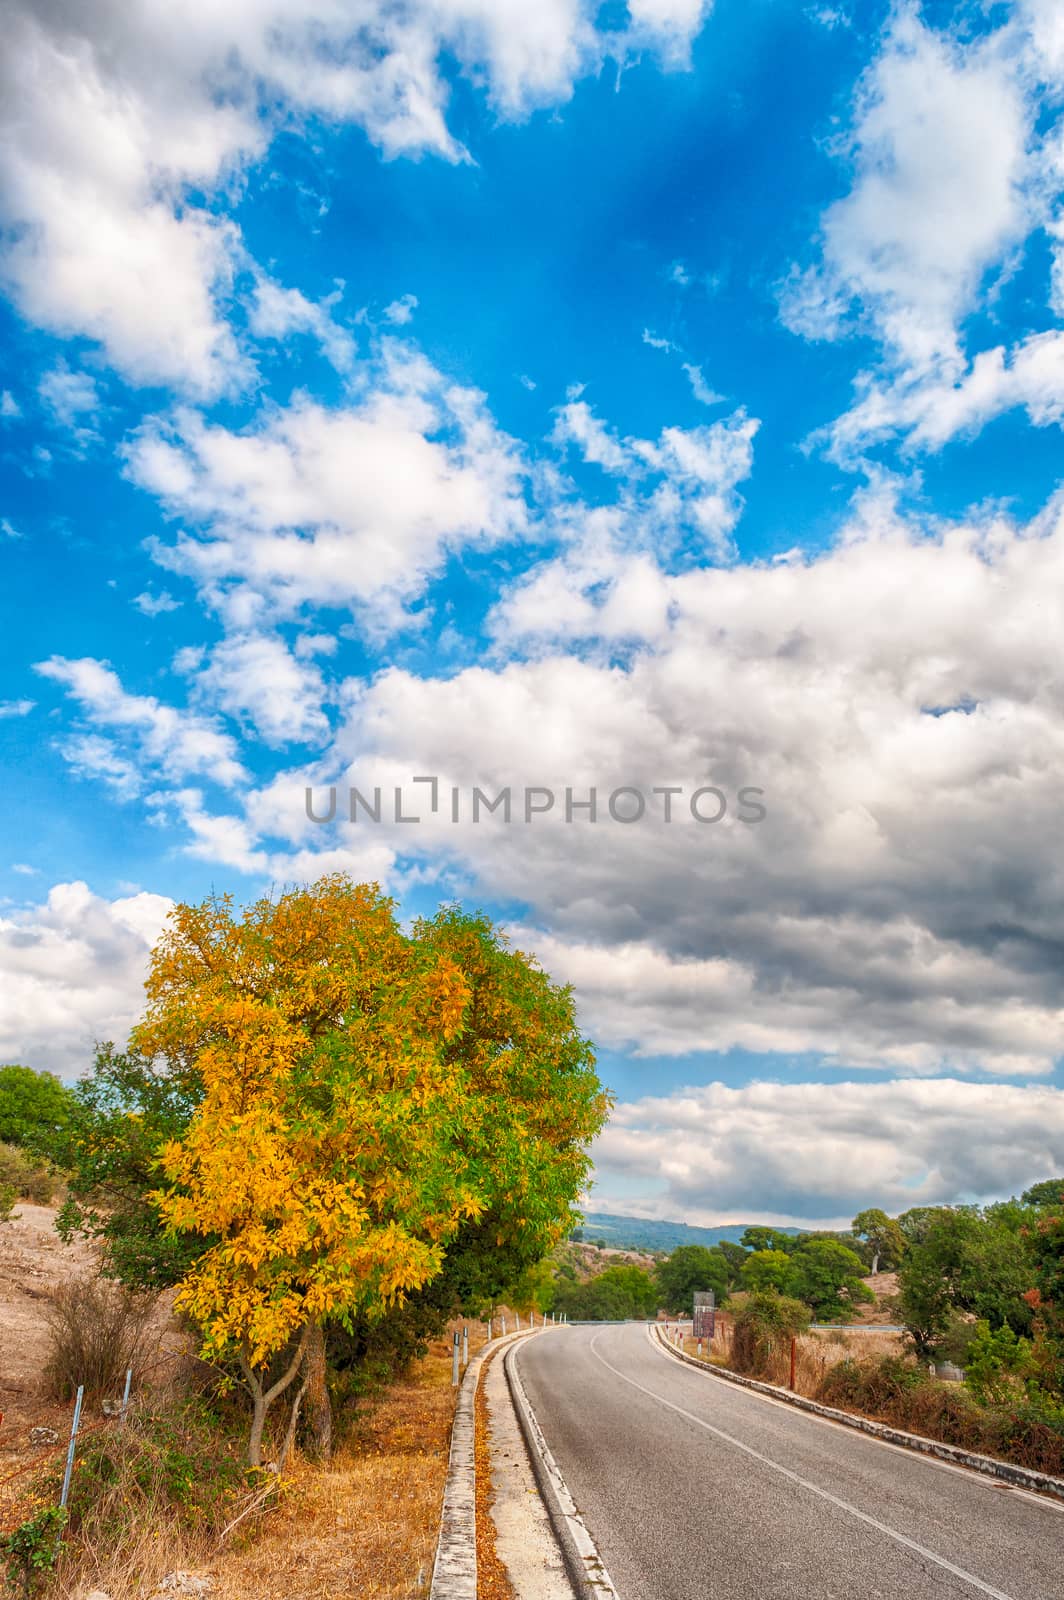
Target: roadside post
70, 1447
465, 1345
454, 1361
794, 1360
125, 1396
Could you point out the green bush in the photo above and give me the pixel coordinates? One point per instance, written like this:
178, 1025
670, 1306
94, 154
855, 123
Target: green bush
8, 1196
31, 1550
765, 1323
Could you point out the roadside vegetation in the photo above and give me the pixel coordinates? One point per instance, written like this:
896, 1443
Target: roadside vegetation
327, 1137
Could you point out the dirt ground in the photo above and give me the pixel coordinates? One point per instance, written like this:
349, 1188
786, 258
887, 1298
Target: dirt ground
33, 1262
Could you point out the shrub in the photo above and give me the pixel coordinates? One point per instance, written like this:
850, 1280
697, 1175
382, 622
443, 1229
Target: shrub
764, 1324
29, 1179
996, 1364
153, 1495
30, 1551
1029, 1432
8, 1196
97, 1332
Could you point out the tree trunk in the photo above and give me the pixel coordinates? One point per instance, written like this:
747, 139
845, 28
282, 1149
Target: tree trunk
317, 1409
875, 1261
263, 1398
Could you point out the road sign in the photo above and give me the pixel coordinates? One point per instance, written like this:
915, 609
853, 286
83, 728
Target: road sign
704, 1322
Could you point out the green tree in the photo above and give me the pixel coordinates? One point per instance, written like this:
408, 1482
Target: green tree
764, 1322
122, 1114
616, 1294
827, 1277
34, 1108
766, 1270
757, 1237
885, 1239
1049, 1194
691, 1267
961, 1260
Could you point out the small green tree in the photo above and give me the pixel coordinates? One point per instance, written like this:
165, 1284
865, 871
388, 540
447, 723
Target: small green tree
757, 1237
1048, 1194
996, 1364
959, 1259
827, 1277
614, 1295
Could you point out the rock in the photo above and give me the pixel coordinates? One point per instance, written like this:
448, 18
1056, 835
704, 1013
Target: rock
185, 1583
43, 1436
98, 1594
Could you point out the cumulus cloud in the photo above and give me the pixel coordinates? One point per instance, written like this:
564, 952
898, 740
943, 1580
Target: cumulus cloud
73, 971
258, 680
817, 1152
938, 146
956, 160
144, 738
69, 395
121, 125
900, 903
276, 312
348, 507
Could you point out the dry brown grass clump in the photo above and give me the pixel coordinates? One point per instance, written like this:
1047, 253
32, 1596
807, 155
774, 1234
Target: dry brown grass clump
97, 1332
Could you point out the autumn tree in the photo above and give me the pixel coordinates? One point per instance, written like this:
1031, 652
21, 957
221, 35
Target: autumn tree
367, 1098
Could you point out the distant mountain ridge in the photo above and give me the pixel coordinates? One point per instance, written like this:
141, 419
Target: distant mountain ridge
647, 1233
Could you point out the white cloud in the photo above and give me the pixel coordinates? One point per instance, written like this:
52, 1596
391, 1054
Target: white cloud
154, 605
16, 708
8, 529
69, 395
952, 173
806, 1152
119, 120
656, 342
256, 678
939, 150
703, 393
897, 700
9, 406
351, 507
276, 312
401, 311
72, 972
154, 738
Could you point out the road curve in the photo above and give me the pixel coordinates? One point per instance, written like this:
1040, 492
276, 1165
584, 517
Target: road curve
694, 1489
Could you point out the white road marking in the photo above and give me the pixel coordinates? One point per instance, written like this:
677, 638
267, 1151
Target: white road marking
970, 1474
804, 1483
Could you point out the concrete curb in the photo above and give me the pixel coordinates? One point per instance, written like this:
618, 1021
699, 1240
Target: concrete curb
454, 1572
989, 1466
587, 1574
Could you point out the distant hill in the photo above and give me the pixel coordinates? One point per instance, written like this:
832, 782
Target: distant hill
645, 1233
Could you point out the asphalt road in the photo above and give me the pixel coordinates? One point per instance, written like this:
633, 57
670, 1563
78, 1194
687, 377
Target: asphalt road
695, 1489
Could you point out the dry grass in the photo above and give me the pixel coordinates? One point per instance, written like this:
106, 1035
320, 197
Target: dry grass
365, 1525
818, 1351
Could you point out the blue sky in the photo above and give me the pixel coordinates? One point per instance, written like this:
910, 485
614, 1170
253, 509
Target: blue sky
654, 395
